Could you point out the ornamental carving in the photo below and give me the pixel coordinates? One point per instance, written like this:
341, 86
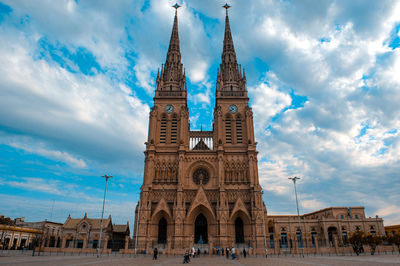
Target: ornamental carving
201, 176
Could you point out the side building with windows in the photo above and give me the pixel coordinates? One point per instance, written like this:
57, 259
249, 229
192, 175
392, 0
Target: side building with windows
84, 233
326, 228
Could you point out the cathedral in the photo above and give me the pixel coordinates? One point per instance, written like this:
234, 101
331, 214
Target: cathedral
200, 188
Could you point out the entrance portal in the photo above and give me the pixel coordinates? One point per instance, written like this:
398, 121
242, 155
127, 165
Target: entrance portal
239, 232
162, 231
200, 230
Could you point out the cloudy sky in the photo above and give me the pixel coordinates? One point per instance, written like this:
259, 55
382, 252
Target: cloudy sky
77, 80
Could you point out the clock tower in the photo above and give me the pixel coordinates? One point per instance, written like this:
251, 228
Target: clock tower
200, 188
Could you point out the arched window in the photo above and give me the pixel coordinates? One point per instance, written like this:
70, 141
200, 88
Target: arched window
239, 231
228, 129
239, 132
162, 231
163, 129
170, 87
174, 129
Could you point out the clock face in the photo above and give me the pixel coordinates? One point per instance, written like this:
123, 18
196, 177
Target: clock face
169, 109
233, 109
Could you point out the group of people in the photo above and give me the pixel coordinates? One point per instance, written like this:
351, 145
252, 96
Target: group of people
191, 253
233, 252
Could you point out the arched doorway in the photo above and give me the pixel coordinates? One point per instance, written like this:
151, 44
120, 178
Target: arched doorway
331, 232
239, 231
200, 230
162, 231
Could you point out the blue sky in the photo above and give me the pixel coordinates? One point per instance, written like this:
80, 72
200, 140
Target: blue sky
77, 80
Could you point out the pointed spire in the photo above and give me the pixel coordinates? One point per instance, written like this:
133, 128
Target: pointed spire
174, 41
172, 74
228, 41
229, 77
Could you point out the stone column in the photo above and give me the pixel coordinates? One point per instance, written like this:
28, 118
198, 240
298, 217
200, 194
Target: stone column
85, 240
63, 242
316, 244
335, 242
105, 242
126, 243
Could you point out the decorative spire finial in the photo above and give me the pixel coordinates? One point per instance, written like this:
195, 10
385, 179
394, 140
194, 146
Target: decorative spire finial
176, 6
226, 6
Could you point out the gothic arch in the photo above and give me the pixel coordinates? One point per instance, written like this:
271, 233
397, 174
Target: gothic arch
162, 206
240, 207
193, 214
239, 212
161, 211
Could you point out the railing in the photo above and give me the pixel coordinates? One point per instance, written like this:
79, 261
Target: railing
232, 93
171, 93
201, 140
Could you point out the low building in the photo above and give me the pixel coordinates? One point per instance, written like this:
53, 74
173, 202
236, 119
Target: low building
18, 237
330, 227
392, 229
84, 233
51, 231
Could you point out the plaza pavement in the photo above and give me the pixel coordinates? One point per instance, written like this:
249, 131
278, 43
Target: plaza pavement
10, 259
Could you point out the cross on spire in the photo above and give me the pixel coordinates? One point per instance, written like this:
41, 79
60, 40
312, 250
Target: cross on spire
176, 6
226, 6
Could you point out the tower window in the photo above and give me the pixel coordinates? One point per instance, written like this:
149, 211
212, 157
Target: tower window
231, 88
170, 87
163, 130
239, 135
174, 129
228, 130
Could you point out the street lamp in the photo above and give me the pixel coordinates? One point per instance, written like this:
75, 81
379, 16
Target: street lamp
137, 225
102, 214
298, 214
265, 239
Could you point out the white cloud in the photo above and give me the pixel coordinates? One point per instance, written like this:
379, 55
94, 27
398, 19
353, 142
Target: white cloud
73, 113
52, 154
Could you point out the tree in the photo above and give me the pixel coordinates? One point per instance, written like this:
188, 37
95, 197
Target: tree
372, 241
394, 239
357, 240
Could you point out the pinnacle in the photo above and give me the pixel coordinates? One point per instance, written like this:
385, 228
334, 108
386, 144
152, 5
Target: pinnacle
174, 42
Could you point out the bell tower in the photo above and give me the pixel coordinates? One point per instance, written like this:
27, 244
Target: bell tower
169, 116
233, 122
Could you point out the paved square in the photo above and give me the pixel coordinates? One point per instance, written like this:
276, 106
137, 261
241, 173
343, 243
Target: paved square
204, 260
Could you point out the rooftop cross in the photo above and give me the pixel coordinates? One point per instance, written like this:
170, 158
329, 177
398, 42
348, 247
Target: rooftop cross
226, 6
176, 6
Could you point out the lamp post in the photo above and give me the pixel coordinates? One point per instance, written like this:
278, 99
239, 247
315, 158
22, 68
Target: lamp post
298, 214
137, 226
102, 214
265, 239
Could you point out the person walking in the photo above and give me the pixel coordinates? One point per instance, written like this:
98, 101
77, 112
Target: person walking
227, 253
155, 254
186, 257
233, 253
266, 253
244, 253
